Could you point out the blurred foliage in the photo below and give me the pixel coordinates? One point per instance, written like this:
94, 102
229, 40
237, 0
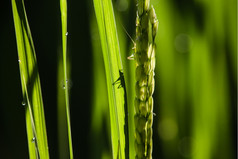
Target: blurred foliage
196, 78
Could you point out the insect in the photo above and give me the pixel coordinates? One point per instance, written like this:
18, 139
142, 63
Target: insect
120, 80
131, 57
122, 84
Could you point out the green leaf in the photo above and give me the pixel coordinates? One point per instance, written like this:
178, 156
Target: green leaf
63, 8
31, 89
114, 72
99, 97
61, 110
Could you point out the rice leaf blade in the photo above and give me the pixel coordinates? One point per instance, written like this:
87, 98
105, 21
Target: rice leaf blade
114, 72
30, 80
63, 8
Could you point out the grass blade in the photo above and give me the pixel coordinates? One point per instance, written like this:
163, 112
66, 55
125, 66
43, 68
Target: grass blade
61, 109
31, 89
99, 98
113, 67
63, 8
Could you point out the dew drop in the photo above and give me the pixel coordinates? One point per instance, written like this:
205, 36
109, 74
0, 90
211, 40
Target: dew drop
63, 86
23, 103
33, 139
66, 34
69, 83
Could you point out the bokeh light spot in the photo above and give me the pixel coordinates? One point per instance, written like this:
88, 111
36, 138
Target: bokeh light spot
168, 129
185, 147
122, 5
183, 43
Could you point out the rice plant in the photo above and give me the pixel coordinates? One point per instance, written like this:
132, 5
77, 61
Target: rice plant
63, 7
31, 89
99, 104
114, 73
146, 29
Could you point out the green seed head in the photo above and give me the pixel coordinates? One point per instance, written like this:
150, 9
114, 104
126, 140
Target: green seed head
149, 135
138, 137
149, 148
139, 72
137, 91
140, 7
143, 80
145, 23
137, 20
138, 30
147, 67
143, 94
146, 29
150, 78
151, 88
153, 51
143, 108
149, 51
147, 5
155, 28
153, 63
140, 150
137, 104
144, 56
150, 120
150, 104
141, 125
153, 17
154, 21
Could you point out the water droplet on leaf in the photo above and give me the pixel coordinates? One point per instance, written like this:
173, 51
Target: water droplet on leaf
23, 103
33, 139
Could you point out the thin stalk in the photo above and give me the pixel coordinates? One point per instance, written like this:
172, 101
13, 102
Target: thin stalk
28, 104
63, 6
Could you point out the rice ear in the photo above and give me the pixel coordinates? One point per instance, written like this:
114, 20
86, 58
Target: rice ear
146, 29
